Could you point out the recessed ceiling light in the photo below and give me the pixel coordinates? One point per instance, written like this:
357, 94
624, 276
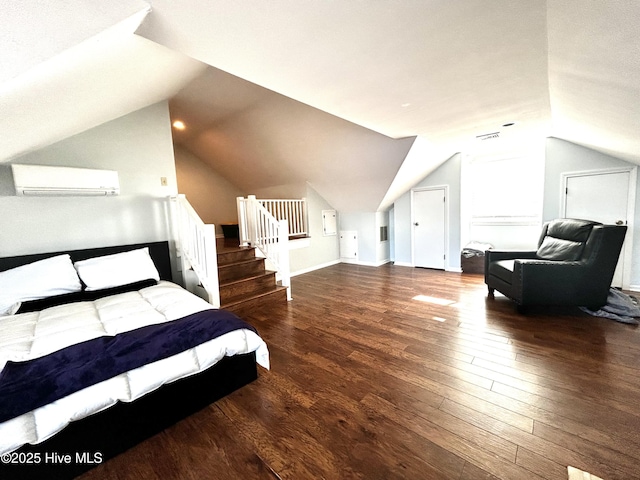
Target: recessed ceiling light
179, 125
405, 105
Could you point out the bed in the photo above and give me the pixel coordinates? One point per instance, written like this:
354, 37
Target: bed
170, 352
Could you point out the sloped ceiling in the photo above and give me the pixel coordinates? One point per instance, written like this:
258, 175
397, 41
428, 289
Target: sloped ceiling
594, 72
33, 31
265, 142
87, 68
440, 70
346, 86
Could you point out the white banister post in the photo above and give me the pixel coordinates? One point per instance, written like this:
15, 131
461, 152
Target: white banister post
174, 222
304, 220
283, 247
251, 219
211, 265
179, 235
243, 228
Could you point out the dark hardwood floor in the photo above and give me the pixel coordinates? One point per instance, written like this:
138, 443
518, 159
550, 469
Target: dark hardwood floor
395, 372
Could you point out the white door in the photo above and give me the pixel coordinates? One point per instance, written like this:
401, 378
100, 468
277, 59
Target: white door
601, 197
429, 228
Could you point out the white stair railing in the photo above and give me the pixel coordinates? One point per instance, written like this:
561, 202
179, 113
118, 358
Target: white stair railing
259, 228
294, 211
196, 246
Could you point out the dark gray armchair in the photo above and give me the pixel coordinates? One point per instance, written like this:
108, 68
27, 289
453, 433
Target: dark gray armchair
573, 266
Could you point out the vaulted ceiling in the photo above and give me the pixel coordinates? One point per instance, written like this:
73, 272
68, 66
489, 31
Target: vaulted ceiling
331, 93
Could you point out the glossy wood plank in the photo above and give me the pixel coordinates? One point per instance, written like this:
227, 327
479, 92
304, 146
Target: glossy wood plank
396, 372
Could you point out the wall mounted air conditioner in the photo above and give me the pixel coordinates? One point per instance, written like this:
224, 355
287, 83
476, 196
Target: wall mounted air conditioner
38, 180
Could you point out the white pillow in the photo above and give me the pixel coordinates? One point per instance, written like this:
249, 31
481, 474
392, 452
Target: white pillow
117, 269
41, 279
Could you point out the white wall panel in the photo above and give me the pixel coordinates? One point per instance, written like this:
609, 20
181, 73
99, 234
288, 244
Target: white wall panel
139, 147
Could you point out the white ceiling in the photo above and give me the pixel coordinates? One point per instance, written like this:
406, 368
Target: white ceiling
74, 79
34, 31
271, 145
440, 70
594, 74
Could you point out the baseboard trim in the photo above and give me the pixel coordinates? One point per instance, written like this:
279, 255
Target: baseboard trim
634, 288
364, 264
403, 264
453, 269
315, 267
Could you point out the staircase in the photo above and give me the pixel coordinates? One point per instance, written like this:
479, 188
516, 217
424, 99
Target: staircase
226, 274
245, 284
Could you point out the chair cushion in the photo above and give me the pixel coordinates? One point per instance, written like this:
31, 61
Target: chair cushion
503, 269
559, 249
565, 239
570, 229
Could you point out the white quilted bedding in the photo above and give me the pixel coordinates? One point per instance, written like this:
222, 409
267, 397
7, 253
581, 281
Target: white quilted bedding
31, 335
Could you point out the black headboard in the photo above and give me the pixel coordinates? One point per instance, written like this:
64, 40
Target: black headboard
159, 252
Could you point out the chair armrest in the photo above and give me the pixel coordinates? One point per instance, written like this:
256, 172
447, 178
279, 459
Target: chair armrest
548, 265
495, 255
550, 282
547, 273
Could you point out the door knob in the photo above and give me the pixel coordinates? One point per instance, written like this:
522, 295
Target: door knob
619, 222
416, 224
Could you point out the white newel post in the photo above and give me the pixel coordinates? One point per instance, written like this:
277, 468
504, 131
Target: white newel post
283, 246
252, 221
211, 265
243, 226
304, 220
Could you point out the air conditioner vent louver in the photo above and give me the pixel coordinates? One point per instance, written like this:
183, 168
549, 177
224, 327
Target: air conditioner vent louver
38, 180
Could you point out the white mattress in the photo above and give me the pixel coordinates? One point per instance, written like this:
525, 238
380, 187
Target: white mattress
31, 335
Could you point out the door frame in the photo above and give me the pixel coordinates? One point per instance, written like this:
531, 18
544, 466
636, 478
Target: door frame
446, 222
627, 259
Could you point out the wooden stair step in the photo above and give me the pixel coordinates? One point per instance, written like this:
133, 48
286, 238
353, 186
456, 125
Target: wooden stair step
233, 290
245, 285
241, 269
276, 295
238, 254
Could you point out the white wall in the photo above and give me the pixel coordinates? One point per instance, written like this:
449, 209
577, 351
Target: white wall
560, 157
383, 253
371, 251
402, 230
392, 233
563, 157
449, 173
139, 147
210, 194
321, 250
365, 225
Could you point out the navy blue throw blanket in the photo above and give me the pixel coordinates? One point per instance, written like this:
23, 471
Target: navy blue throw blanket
27, 385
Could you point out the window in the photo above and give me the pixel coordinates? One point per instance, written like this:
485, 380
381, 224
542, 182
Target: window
506, 191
